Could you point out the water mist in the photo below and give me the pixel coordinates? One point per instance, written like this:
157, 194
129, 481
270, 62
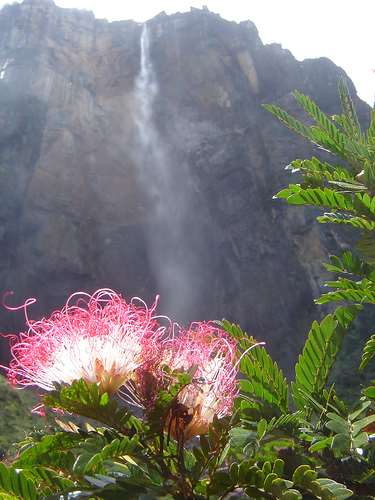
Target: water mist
163, 184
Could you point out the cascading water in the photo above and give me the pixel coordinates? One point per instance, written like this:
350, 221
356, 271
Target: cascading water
160, 183
145, 92
3, 69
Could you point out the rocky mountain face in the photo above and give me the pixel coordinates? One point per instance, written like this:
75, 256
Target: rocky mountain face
149, 165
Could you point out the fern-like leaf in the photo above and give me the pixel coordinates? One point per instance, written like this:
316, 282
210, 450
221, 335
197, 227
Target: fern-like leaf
368, 352
315, 167
14, 482
295, 194
53, 450
48, 481
348, 263
359, 292
338, 139
92, 461
263, 378
371, 130
366, 246
339, 218
349, 119
319, 354
289, 120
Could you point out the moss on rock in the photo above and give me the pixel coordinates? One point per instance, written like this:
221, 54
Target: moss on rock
16, 419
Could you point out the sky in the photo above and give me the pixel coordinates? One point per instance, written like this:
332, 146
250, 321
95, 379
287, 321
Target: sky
342, 30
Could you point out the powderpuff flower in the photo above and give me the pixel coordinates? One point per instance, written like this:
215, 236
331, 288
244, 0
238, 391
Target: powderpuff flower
212, 356
100, 338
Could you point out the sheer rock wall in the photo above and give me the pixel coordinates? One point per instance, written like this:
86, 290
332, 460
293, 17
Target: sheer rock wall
73, 215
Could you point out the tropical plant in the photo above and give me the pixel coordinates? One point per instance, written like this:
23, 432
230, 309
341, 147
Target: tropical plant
196, 436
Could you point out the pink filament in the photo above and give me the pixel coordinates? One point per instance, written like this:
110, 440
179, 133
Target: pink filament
213, 354
98, 316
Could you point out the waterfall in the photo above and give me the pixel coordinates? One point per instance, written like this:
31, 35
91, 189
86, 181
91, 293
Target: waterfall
3, 69
146, 90
160, 181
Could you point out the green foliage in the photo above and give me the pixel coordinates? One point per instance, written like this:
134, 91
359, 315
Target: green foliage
347, 190
51, 449
325, 488
348, 380
368, 352
343, 140
15, 484
318, 356
86, 400
350, 432
16, 419
263, 378
369, 392
267, 481
329, 198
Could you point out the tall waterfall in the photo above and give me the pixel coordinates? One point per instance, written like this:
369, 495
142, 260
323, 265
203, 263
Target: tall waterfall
162, 183
146, 89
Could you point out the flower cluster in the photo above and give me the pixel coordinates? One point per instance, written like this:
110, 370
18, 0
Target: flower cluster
212, 355
123, 348
100, 338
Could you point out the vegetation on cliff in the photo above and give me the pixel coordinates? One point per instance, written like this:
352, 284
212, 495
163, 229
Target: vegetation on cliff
16, 420
267, 439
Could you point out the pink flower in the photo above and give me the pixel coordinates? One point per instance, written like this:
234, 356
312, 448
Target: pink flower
100, 338
212, 355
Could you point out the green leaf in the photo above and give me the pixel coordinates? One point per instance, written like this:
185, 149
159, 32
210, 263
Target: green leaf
360, 440
321, 445
337, 418
357, 222
291, 495
233, 473
369, 392
363, 407
51, 450
289, 120
371, 130
321, 197
306, 478
268, 482
349, 119
262, 428
359, 425
329, 136
104, 399
298, 474
48, 480
366, 246
353, 186
368, 352
278, 467
318, 356
348, 263
83, 398
341, 443
338, 427
339, 491
263, 378
318, 174
240, 437
14, 482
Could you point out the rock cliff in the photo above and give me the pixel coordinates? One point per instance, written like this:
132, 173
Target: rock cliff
81, 198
